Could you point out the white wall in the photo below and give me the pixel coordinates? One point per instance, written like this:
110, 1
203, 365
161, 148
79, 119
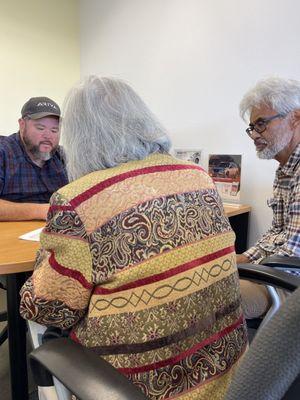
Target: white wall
192, 60
39, 42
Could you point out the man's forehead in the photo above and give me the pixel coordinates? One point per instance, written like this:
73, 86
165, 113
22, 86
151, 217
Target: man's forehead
45, 121
261, 112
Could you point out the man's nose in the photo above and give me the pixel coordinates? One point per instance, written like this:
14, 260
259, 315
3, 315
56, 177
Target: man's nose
255, 135
47, 133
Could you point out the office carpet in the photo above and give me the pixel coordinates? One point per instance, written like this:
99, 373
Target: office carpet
4, 363
4, 374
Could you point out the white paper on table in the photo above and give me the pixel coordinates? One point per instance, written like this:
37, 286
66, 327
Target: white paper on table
33, 235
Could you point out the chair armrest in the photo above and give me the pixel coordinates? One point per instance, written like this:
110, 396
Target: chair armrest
85, 374
268, 276
282, 261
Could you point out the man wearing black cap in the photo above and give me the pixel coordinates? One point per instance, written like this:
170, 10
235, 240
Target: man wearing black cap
31, 162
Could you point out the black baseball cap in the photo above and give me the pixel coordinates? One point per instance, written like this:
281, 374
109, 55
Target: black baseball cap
40, 107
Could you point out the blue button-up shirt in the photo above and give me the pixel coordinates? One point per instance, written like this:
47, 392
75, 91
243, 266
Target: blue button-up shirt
23, 181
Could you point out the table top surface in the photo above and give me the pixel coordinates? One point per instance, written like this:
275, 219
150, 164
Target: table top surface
236, 209
18, 255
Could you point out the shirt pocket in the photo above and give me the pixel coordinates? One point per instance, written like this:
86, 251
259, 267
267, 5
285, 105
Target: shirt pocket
272, 203
277, 207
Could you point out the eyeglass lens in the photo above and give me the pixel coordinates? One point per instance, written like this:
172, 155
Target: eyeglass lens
261, 124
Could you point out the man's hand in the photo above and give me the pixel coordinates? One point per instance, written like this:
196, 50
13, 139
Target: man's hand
241, 259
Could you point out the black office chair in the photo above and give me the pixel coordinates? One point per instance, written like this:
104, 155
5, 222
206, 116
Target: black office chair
270, 370
4, 331
290, 265
84, 373
91, 378
281, 262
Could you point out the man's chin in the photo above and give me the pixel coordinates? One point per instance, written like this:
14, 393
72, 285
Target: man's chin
41, 155
265, 154
44, 156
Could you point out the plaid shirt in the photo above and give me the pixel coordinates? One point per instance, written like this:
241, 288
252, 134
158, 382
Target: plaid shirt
283, 238
23, 181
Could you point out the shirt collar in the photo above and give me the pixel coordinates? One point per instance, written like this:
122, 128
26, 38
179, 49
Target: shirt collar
289, 167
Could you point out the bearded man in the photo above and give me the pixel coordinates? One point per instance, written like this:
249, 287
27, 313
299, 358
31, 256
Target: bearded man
32, 165
273, 106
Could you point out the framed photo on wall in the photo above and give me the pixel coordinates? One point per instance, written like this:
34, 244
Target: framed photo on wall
189, 155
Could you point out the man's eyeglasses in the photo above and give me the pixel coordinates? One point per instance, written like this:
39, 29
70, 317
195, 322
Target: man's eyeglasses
261, 124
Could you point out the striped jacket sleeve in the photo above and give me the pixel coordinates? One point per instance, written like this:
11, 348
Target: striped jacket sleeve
59, 290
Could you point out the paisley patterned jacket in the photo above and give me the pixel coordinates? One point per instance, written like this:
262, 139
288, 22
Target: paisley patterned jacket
139, 261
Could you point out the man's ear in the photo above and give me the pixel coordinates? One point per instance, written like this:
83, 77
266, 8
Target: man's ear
295, 119
21, 124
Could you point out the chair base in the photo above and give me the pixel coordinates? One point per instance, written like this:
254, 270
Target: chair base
3, 316
3, 335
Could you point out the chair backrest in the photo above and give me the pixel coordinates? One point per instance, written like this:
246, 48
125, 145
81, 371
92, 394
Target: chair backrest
273, 361
282, 262
84, 373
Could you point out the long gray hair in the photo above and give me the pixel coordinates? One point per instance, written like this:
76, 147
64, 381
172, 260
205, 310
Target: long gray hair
105, 123
282, 95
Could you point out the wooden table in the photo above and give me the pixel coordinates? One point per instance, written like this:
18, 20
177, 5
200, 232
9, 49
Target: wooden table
16, 261
17, 255
238, 209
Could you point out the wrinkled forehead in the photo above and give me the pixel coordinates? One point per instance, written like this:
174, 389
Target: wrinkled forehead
45, 121
261, 111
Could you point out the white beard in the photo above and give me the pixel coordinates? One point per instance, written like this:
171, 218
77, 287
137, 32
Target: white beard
44, 156
271, 150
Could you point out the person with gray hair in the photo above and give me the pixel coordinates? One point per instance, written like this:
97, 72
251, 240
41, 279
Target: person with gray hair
106, 124
273, 107
137, 256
